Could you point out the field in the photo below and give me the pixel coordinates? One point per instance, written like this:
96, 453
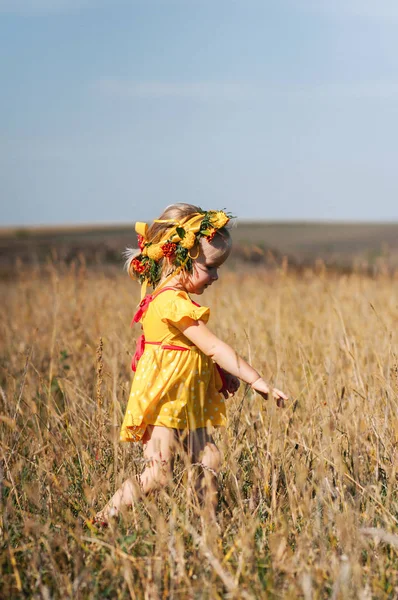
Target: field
308, 498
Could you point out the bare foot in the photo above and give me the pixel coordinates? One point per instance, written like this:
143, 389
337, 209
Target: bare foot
104, 516
123, 498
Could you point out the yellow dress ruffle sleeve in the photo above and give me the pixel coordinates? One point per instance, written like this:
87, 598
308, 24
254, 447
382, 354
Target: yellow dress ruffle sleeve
175, 384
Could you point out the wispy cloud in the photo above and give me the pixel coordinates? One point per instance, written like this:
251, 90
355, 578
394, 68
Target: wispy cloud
239, 91
200, 90
381, 90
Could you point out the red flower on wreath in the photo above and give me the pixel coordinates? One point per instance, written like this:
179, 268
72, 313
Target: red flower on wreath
141, 242
169, 248
138, 266
212, 233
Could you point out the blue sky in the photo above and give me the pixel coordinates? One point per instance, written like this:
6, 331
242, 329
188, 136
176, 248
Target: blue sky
112, 109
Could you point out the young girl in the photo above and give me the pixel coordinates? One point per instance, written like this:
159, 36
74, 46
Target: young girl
183, 371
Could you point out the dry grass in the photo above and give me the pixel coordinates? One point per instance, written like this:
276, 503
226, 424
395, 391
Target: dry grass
308, 495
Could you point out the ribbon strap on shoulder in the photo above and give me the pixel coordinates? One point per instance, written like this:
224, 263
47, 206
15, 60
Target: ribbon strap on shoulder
143, 305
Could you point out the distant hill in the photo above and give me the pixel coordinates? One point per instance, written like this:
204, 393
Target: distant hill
334, 243
337, 244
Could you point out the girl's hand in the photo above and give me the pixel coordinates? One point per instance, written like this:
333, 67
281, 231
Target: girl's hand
264, 390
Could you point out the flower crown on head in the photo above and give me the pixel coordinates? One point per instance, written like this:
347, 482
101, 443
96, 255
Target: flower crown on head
176, 244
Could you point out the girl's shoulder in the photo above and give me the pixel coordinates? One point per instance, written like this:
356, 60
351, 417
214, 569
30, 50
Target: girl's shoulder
173, 305
170, 295
170, 291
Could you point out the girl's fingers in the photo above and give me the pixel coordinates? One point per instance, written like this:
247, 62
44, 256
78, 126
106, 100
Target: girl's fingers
278, 394
280, 399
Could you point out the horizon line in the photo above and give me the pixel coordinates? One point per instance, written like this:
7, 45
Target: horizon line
43, 228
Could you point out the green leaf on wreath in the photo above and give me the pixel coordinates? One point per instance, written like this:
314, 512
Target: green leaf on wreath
181, 232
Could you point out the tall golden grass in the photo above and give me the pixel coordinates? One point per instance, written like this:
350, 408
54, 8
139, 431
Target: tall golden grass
308, 501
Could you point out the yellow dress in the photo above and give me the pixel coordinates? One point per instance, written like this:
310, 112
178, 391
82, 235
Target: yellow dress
177, 388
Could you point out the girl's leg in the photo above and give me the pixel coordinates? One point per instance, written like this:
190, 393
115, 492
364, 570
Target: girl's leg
207, 458
159, 447
160, 444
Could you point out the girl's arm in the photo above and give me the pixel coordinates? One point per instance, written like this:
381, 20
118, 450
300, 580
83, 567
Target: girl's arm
225, 356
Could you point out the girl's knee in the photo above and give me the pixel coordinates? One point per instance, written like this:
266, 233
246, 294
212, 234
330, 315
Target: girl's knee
129, 491
211, 458
206, 486
156, 476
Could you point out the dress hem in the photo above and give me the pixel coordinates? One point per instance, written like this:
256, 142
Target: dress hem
137, 432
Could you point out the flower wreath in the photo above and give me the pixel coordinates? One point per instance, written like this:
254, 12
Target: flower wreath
175, 245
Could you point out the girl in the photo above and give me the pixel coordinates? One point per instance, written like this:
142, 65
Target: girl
183, 371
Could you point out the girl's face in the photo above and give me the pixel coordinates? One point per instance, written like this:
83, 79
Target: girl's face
205, 267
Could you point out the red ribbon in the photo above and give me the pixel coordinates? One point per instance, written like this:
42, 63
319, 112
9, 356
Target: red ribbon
140, 344
139, 351
140, 347
143, 305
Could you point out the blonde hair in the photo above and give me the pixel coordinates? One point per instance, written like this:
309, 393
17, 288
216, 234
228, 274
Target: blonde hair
179, 212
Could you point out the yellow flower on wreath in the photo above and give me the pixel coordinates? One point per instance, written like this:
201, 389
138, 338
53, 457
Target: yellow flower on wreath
218, 219
189, 240
154, 251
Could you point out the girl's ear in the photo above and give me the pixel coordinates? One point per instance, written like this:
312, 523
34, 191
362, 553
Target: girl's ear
194, 252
